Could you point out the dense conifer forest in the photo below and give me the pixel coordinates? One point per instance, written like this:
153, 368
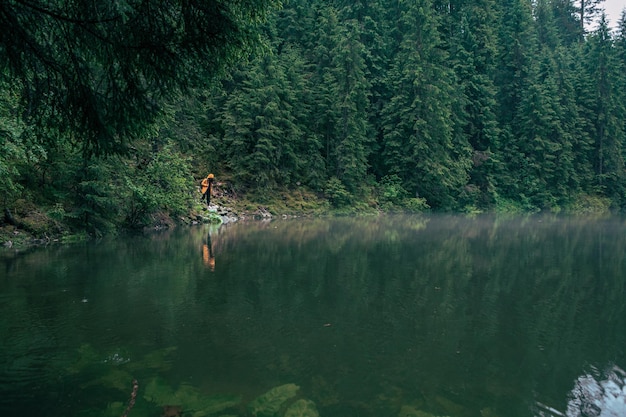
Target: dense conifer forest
113, 114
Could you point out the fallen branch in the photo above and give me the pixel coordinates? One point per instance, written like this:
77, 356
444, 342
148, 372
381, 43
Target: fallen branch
133, 398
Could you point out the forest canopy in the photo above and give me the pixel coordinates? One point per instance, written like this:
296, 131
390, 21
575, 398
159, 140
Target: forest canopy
461, 105
465, 105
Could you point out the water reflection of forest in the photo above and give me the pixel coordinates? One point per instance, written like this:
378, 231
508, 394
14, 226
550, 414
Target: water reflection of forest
488, 313
514, 305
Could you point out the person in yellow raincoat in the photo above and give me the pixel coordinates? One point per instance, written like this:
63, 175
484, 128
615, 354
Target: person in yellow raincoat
207, 185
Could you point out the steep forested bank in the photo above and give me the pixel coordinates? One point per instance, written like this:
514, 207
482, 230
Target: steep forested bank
460, 105
391, 104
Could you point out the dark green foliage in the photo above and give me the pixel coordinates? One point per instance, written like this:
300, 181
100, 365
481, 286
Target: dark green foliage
463, 105
391, 190
566, 21
95, 205
261, 134
420, 121
587, 11
164, 184
607, 113
546, 128
393, 197
349, 141
337, 193
472, 41
12, 151
99, 71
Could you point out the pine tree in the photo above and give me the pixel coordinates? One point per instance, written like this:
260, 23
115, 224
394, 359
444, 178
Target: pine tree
587, 11
515, 55
310, 165
351, 105
567, 21
260, 131
324, 78
546, 130
472, 42
378, 47
419, 130
608, 112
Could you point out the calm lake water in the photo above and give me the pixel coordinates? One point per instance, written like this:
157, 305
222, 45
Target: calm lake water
414, 316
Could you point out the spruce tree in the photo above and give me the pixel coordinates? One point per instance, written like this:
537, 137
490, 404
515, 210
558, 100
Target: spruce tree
515, 55
419, 130
587, 11
260, 130
472, 42
607, 112
567, 21
545, 129
350, 95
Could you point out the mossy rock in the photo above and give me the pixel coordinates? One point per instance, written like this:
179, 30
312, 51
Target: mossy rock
189, 398
410, 411
115, 378
302, 408
488, 412
448, 405
270, 403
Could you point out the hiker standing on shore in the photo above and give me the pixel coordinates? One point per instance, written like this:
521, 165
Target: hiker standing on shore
207, 188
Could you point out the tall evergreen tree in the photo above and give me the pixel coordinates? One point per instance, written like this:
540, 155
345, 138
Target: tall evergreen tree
608, 112
326, 119
567, 21
348, 157
544, 146
587, 10
419, 130
542, 124
378, 48
515, 54
472, 42
310, 168
260, 130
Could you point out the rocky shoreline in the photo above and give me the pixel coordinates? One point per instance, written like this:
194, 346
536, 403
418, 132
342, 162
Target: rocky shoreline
215, 213
20, 234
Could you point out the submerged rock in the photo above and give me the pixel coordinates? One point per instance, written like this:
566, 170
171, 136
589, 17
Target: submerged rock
410, 411
599, 394
172, 411
270, 403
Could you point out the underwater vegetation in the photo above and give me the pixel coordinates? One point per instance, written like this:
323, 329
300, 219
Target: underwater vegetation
137, 388
155, 396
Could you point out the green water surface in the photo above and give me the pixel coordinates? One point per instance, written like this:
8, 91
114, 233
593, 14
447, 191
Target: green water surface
403, 316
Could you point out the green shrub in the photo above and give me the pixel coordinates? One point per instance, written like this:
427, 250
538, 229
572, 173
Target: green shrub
391, 190
590, 204
416, 205
337, 193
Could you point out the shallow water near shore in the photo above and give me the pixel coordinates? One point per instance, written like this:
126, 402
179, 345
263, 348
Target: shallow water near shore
412, 316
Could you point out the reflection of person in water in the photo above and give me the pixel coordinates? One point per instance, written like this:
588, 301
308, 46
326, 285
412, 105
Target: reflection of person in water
208, 258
